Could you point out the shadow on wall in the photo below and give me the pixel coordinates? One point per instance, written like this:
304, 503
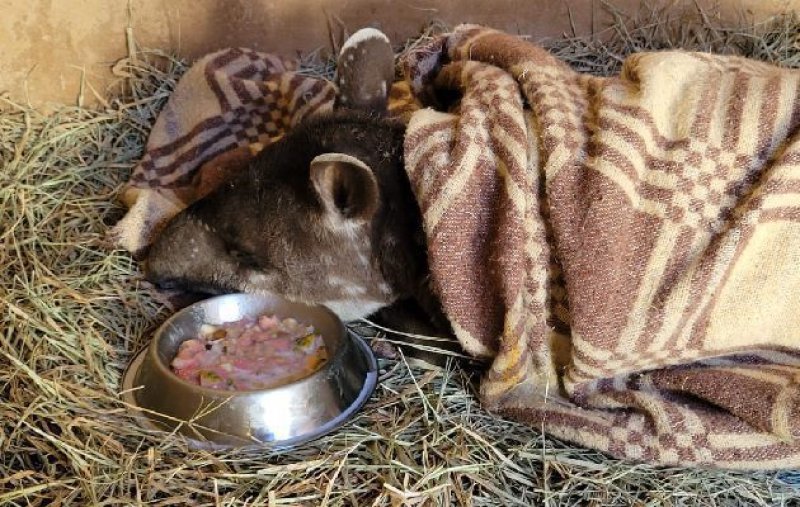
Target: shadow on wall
304, 25
45, 46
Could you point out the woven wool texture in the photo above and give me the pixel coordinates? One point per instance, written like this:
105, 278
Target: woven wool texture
625, 250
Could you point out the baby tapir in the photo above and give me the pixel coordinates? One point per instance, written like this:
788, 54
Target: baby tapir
325, 215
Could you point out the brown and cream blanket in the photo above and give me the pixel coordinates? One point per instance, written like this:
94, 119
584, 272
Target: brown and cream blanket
625, 250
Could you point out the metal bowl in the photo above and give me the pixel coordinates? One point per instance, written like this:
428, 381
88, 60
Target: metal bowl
282, 416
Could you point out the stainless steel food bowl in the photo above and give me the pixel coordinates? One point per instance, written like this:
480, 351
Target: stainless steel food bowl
283, 416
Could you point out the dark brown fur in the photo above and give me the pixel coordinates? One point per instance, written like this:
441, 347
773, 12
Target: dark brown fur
326, 215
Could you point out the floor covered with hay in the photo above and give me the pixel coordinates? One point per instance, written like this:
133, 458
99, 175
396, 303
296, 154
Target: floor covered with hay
75, 309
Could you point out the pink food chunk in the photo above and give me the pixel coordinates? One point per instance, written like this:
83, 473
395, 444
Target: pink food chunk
250, 354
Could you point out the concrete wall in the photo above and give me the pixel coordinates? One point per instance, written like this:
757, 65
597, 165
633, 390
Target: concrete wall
46, 45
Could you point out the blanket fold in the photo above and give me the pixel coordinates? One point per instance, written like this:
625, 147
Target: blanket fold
625, 250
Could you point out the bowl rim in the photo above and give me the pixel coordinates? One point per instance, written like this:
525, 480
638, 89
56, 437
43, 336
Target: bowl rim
152, 349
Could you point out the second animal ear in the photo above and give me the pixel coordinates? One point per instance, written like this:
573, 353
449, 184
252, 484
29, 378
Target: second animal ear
365, 72
345, 185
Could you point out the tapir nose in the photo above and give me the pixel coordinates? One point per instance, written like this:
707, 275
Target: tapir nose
160, 282
157, 278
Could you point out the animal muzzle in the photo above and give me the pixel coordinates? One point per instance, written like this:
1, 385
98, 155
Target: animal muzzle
189, 255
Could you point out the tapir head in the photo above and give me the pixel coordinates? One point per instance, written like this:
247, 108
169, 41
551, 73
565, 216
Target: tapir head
301, 219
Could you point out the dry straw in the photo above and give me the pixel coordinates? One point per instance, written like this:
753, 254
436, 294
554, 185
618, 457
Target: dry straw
74, 310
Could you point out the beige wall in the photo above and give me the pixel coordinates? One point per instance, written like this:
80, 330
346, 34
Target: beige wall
45, 44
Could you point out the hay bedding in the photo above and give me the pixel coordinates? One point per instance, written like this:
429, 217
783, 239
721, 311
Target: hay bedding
74, 310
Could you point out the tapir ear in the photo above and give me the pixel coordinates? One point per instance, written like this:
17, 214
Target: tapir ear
365, 72
346, 185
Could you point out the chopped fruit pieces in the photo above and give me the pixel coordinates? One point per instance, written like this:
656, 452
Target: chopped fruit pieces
250, 354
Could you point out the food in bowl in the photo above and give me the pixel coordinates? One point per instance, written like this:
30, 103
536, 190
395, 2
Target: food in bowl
250, 354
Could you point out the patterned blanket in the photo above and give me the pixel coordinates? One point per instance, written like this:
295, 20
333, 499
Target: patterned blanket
625, 250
